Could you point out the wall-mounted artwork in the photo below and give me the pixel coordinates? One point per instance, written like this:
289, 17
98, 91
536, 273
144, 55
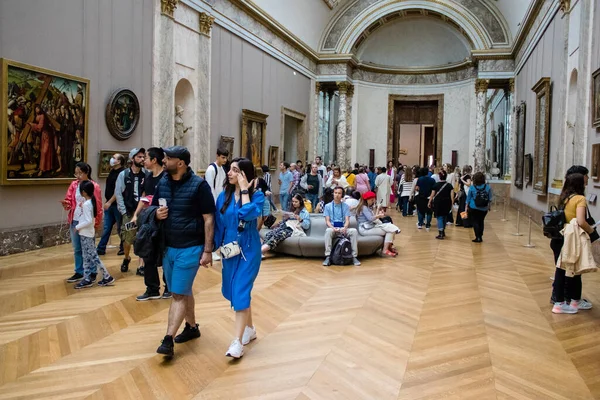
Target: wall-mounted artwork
226, 143
520, 144
122, 114
528, 169
104, 161
542, 136
596, 99
44, 125
595, 167
254, 133
273, 157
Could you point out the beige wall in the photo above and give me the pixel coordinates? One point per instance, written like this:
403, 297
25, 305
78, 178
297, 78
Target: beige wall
546, 60
107, 42
245, 77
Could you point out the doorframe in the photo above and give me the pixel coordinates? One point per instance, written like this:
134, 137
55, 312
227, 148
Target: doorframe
422, 149
439, 126
301, 134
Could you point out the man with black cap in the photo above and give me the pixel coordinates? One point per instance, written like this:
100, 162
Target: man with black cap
186, 209
129, 188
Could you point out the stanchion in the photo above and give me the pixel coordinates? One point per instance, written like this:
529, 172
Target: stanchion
529, 244
518, 221
495, 205
504, 212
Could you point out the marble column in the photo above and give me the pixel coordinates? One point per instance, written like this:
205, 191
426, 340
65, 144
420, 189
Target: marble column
510, 127
342, 151
481, 86
202, 135
163, 83
315, 127
349, 125
567, 140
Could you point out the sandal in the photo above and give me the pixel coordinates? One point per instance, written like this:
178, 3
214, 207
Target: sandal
389, 253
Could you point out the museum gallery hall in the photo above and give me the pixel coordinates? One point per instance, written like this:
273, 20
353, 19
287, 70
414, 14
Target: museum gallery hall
299, 199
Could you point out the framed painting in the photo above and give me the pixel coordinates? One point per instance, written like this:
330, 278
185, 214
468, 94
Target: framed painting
44, 125
254, 133
596, 99
273, 157
520, 144
122, 114
226, 143
104, 161
542, 136
528, 169
595, 167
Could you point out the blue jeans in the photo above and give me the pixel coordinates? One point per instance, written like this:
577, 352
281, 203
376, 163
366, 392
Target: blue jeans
283, 199
111, 216
405, 204
422, 217
314, 199
441, 222
77, 252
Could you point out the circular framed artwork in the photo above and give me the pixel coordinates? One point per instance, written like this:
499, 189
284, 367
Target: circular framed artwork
122, 114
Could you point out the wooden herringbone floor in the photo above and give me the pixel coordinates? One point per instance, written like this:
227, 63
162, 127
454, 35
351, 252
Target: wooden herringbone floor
451, 320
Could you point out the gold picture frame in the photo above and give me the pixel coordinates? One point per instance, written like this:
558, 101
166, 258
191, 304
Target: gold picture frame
595, 167
226, 143
542, 136
273, 157
596, 99
520, 111
104, 157
254, 134
45, 125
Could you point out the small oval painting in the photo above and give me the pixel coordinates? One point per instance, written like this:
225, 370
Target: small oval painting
122, 114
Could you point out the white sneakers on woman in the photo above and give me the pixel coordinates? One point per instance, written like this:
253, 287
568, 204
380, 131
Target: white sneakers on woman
236, 349
563, 308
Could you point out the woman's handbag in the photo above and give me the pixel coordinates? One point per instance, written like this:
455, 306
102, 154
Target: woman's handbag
386, 220
231, 250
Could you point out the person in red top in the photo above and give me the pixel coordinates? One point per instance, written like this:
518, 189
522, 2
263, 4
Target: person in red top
43, 127
73, 203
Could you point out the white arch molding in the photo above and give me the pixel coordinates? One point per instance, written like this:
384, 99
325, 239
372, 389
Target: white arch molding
461, 16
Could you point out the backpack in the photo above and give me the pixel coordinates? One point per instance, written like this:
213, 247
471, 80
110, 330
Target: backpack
554, 221
482, 198
342, 251
216, 173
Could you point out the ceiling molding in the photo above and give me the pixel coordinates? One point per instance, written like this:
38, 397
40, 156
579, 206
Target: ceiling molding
424, 70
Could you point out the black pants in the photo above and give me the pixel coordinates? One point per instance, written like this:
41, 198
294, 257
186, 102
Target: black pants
564, 287
477, 217
151, 279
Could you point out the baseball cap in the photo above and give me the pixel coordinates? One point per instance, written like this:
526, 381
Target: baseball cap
178, 152
135, 151
369, 195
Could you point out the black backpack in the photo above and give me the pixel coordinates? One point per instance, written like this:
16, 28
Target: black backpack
554, 221
482, 198
342, 251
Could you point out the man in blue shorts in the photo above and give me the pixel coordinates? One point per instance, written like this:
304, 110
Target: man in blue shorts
188, 228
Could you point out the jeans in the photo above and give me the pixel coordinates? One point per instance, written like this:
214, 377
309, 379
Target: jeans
405, 204
564, 287
477, 217
77, 252
284, 199
422, 216
314, 199
151, 279
91, 261
111, 216
441, 222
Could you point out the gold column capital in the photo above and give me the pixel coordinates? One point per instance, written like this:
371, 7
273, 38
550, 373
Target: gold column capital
565, 6
206, 22
345, 88
481, 85
317, 88
167, 7
511, 85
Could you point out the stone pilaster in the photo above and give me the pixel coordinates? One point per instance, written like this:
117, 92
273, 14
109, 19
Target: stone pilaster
314, 127
510, 127
163, 85
481, 86
349, 125
342, 130
202, 135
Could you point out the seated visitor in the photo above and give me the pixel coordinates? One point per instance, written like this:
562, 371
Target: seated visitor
352, 199
369, 223
326, 199
337, 219
293, 224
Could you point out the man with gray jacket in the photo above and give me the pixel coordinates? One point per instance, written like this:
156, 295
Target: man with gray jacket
313, 184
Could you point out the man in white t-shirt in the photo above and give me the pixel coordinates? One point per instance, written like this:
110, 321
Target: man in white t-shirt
215, 176
322, 170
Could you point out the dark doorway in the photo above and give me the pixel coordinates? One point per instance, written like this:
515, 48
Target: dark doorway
415, 133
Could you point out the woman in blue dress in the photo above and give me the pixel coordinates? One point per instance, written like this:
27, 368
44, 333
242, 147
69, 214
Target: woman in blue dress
238, 208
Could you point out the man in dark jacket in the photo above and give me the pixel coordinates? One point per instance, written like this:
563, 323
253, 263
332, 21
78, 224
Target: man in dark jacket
111, 212
186, 209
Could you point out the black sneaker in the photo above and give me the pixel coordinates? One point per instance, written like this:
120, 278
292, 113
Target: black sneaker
166, 347
167, 294
121, 252
75, 278
140, 271
84, 284
125, 265
110, 281
188, 333
148, 296
101, 252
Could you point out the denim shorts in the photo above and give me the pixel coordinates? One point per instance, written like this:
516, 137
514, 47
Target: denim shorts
180, 267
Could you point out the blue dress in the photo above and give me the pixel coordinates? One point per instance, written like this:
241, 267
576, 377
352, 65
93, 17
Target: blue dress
239, 272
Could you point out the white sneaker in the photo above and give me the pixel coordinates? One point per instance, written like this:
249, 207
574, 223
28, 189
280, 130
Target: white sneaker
563, 308
216, 256
236, 350
419, 226
582, 304
249, 335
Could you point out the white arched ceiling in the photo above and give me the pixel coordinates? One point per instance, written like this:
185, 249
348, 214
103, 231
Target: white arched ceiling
415, 42
513, 12
353, 19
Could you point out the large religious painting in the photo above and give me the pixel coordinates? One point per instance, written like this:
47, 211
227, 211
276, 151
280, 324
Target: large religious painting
542, 136
596, 99
520, 145
595, 170
226, 143
254, 133
45, 125
122, 114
